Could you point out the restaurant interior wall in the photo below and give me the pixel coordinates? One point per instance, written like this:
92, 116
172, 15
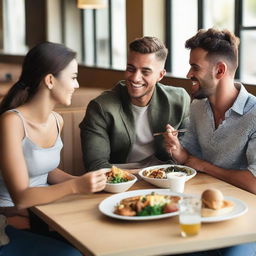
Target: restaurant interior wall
100, 77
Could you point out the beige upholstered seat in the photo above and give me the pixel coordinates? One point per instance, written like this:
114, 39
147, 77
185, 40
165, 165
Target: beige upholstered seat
71, 154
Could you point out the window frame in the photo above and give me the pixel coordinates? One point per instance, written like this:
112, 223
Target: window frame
110, 33
106, 77
238, 28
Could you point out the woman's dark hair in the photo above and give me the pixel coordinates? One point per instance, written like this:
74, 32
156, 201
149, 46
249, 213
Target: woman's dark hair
45, 58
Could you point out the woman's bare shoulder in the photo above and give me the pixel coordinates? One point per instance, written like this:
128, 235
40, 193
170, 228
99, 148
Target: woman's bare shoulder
10, 122
10, 117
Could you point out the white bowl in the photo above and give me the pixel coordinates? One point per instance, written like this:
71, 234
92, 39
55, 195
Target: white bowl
164, 183
120, 187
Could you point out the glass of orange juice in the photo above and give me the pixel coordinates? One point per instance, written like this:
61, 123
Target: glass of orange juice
190, 216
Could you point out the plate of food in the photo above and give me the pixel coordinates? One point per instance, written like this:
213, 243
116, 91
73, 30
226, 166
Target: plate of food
157, 175
118, 180
145, 204
216, 207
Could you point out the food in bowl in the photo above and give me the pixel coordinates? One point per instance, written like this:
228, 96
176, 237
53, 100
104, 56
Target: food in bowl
119, 180
213, 203
157, 175
161, 173
147, 205
117, 175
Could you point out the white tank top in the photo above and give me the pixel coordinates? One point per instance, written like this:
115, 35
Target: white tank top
40, 161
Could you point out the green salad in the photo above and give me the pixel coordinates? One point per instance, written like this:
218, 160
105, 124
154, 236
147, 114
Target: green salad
117, 175
118, 179
151, 210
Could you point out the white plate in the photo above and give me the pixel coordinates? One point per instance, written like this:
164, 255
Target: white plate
107, 206
164, 183
239, 209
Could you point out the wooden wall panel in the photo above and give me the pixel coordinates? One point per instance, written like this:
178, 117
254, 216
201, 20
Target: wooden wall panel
36, 22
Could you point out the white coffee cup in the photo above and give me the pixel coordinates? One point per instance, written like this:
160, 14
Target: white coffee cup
176, 181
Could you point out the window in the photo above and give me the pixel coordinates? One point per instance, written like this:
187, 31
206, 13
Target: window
248, 39
98, 36
236, 15
88, 40
104, 36
181, 29
13, 23
219, 14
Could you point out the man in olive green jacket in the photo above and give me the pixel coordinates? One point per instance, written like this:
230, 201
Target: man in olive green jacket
119, 124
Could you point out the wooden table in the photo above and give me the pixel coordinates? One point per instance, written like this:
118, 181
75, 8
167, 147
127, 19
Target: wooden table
78, 219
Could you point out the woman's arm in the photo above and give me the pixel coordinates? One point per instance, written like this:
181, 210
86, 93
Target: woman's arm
15, 174
58, 176
31, 196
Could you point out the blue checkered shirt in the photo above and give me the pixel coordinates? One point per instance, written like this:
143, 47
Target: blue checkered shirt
233, 144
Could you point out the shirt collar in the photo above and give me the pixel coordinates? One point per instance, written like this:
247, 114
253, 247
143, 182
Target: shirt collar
241, 99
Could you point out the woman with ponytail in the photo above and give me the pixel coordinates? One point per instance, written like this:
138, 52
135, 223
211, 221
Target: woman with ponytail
30, 144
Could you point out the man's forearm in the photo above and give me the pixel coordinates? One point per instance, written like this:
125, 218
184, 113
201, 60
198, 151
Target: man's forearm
241, 178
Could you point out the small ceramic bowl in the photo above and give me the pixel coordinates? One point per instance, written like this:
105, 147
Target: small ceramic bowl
164, 183
120, 187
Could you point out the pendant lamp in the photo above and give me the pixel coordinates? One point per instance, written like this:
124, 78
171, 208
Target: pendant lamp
91, 4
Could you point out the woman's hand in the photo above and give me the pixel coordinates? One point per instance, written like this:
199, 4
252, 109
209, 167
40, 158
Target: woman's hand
91, 182
173, 146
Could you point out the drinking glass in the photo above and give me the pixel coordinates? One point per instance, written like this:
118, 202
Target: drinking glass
190, 216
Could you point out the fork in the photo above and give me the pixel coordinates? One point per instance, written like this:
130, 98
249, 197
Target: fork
175, 131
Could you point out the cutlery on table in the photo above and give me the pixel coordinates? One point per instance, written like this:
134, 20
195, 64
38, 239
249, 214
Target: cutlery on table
175, 131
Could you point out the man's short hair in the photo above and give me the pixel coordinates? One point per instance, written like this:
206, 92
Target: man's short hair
218, 43
148, 44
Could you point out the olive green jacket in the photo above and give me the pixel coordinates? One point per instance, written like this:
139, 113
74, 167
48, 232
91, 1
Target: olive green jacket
108, 130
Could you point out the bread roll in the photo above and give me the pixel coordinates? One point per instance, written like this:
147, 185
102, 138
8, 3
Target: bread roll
213, 203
